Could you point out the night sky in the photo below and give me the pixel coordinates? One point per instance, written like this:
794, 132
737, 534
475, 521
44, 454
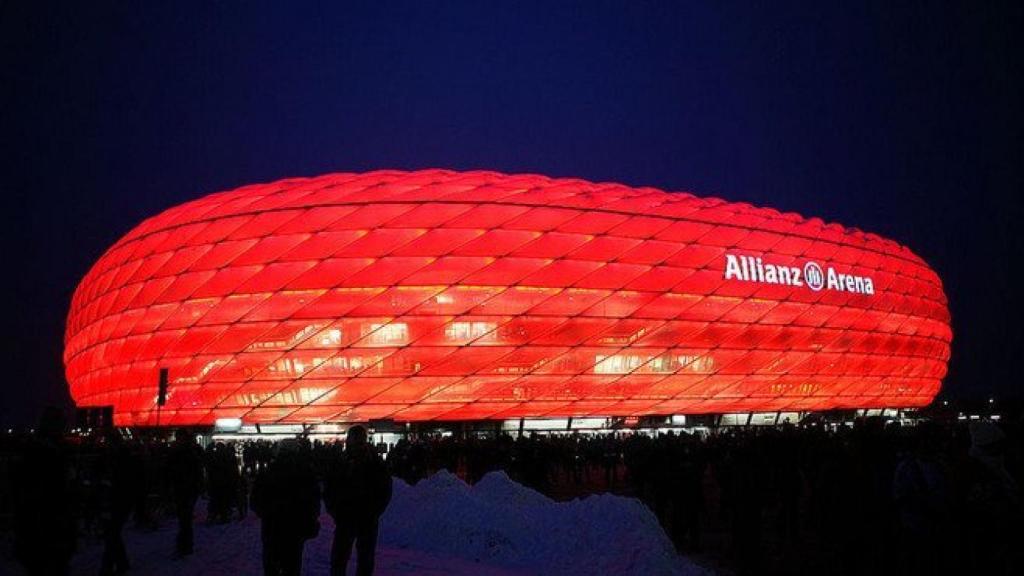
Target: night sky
900, 118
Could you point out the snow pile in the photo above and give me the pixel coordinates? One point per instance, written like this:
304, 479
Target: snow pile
438, 527
499, 522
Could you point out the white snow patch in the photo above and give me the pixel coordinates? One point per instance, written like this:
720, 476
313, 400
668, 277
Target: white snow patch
440, 526
502, 523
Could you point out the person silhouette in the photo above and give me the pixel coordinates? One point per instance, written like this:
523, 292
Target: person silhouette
356, 493
286, 497
185, 470
44, 521
120, 484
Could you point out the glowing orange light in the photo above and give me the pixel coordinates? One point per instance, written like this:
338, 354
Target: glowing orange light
447, 295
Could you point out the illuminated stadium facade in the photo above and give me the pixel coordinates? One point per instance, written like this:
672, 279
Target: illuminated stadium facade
438, 295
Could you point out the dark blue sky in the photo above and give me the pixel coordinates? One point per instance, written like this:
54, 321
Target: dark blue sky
901, 118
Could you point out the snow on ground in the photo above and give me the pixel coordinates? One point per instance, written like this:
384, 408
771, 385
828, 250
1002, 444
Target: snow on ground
499, 522
441, 526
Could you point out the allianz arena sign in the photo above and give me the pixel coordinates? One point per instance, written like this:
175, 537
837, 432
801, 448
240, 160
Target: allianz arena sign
440, 295
754, 269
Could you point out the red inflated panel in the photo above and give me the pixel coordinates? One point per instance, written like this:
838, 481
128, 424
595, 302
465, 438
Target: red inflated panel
447, 295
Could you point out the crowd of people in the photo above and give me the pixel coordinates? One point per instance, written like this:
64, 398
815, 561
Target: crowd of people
56, 490
873, 498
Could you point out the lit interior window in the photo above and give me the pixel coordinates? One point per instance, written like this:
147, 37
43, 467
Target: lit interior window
618, 363
290, 366
664, 364
388, 334
307, 395
280, 343
462, 331
350, 364
331, 337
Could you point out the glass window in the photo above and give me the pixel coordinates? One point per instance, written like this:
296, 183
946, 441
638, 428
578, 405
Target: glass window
388, 334
465, 331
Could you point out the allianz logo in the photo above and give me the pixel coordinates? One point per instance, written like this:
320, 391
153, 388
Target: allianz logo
754, 269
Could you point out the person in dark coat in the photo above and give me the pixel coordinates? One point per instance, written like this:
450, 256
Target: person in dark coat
357, 491
185, 471
221, 481
286, 497
44, 521
992, 504
120, 484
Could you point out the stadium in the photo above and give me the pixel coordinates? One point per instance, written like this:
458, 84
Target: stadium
441, 296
